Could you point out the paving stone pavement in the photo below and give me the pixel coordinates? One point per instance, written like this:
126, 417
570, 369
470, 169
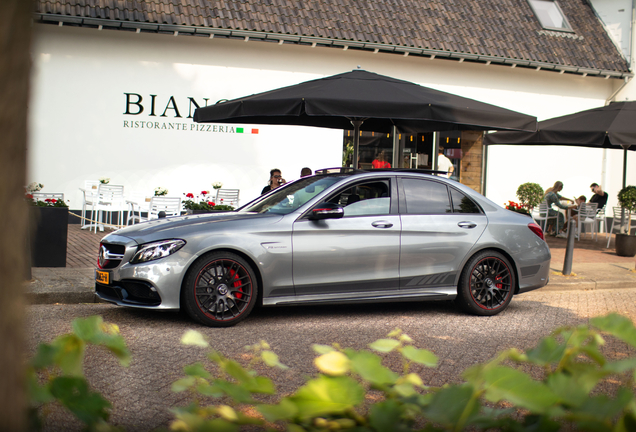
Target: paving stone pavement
141, 393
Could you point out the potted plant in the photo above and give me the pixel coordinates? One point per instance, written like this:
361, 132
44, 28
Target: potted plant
626, 243
517, 208
530, 195
49, 229
202, 204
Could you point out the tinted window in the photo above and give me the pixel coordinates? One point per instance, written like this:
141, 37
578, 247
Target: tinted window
368, 198
463, 204
288, 198
426, 197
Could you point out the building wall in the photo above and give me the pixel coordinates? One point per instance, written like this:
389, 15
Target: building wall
82, 126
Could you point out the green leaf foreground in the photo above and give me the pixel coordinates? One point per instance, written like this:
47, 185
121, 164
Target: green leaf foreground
563, 392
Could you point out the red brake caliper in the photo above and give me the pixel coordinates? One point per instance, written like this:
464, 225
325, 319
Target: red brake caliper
237, 283
498, 285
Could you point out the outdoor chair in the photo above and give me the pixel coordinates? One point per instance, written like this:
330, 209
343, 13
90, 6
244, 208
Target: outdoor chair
587, 218
601, 218
109, 200
89, 195
138, 203
227, 197
542, 215
171, 206
620, 220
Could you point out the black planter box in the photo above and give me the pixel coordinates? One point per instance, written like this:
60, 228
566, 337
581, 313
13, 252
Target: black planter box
49, 230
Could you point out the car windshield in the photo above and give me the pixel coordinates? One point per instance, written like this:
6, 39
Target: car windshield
288, 198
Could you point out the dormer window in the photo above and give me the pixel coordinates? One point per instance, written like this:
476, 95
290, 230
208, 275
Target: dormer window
550, 15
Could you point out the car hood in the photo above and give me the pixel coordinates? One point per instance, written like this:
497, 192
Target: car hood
185, 226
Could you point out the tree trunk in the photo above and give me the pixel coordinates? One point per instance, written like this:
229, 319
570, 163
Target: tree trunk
15, 62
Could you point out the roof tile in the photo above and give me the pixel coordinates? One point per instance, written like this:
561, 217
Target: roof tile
498, 28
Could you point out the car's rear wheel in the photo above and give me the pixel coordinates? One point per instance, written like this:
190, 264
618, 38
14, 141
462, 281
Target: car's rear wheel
220, 290
486, 284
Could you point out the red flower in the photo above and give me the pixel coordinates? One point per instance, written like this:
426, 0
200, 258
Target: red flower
29, 196
211, 204
189, 195
52, 200
204, 192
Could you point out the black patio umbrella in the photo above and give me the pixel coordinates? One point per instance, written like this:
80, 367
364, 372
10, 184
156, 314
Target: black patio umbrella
366, 101
611, 126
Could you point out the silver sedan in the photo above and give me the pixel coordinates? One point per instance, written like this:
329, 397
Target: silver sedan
343, 237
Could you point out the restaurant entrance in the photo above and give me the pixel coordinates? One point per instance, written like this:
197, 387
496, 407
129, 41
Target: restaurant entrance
463, 148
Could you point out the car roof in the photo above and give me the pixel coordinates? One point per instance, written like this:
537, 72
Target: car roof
348, 170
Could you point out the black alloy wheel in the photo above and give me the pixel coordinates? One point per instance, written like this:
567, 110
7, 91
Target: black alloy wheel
220, 290
486, 284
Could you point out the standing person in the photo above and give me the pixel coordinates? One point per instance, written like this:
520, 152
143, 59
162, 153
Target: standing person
444, 163
599, 196
552, 196
305, 172
380, 161
275, 179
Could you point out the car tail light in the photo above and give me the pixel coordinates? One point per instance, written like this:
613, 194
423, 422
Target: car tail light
537, 230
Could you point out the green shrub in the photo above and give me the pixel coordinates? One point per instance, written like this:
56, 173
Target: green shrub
530, 194
60, 363
565, 397
627, 198
498, 395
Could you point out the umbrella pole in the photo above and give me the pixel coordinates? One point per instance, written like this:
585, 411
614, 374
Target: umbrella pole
624, 167
356, 141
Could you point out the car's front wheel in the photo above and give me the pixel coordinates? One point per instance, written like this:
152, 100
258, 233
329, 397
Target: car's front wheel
486, 284
220, 290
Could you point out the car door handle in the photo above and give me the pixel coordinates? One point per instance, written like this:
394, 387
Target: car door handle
468, 225
382, 224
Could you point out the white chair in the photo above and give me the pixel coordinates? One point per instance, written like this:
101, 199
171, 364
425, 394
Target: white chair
171, 206
89, 196
542, 215
137, 203
43, 196
227, 197
620, 221
587, 217
601, 218
110, 199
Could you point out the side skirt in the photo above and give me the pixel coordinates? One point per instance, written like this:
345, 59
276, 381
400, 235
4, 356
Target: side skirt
424, 294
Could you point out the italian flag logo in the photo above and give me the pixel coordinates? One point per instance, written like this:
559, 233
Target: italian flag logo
247, 131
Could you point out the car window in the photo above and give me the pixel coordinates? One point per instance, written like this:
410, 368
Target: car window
288, 198
426, 197
365, 198
463, 204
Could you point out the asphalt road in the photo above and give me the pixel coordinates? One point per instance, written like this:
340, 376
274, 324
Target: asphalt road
141, 393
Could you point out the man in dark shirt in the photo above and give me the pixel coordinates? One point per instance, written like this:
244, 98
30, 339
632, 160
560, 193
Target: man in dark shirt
599, 196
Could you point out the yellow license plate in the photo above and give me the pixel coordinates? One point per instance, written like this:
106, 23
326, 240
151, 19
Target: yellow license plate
102, 277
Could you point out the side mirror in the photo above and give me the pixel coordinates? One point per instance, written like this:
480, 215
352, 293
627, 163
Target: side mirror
326, 210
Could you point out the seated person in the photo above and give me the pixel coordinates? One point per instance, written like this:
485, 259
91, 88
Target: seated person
599, 196
552, 196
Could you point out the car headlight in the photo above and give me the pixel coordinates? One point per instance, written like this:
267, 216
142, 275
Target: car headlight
156, 250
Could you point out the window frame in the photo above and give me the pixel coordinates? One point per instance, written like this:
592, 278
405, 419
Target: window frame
558, 8
402, 198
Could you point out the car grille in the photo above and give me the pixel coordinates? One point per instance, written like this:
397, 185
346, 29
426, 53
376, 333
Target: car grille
110, 255
127, 291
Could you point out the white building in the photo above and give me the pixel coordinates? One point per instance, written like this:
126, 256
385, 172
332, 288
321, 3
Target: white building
115, 87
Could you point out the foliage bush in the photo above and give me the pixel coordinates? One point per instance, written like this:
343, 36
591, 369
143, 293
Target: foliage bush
627, 200
530, 194
497, 395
